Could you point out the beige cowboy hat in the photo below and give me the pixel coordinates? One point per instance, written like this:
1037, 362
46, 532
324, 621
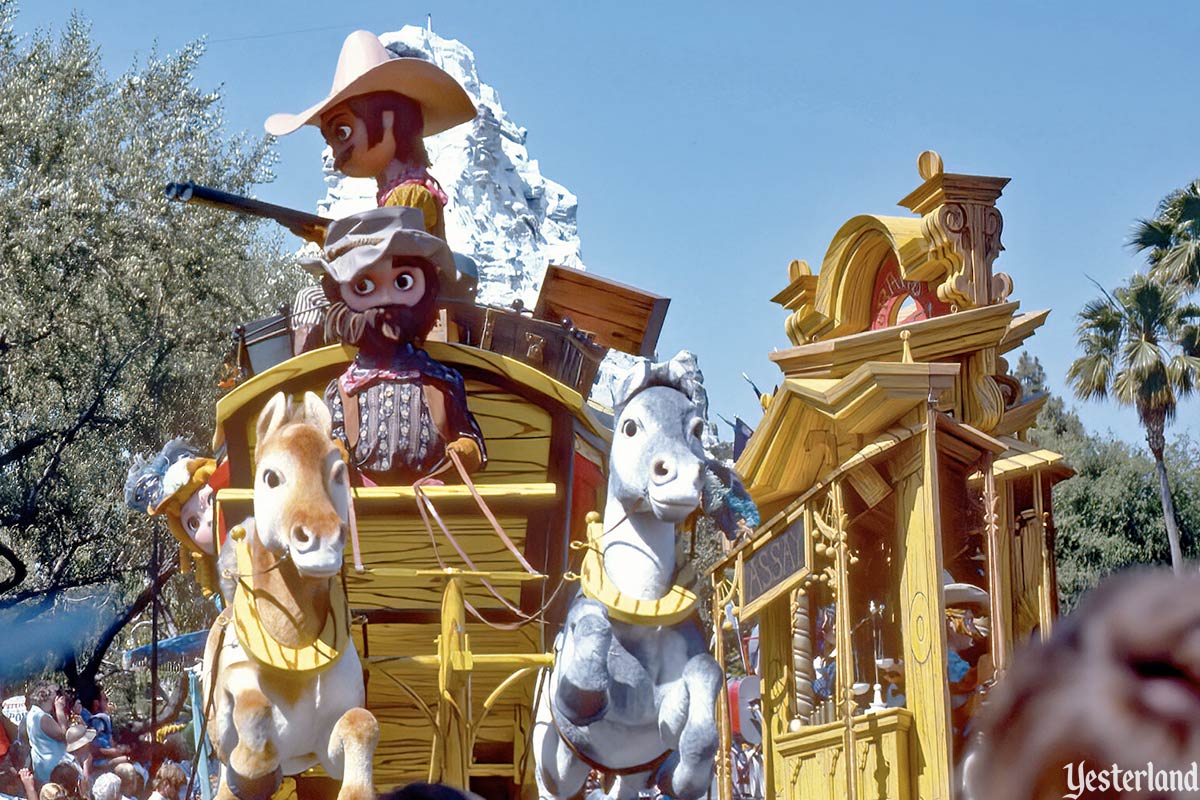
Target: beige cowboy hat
363, 239
963, 595
366, 66
78, 736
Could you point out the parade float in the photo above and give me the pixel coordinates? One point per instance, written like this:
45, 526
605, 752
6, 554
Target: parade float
906, 516
901, 548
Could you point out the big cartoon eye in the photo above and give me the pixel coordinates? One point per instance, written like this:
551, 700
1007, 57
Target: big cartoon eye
697, 429
343, 132
404, 281
629, 428
271, 478
364, 286
193, 524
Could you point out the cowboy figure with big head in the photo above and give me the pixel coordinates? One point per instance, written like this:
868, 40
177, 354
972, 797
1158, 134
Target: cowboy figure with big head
375, 117
397, 410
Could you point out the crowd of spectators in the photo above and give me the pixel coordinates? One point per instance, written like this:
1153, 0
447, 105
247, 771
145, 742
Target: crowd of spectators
66, 748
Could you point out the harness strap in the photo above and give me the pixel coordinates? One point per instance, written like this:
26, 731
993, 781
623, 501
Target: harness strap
350, 421
430, 516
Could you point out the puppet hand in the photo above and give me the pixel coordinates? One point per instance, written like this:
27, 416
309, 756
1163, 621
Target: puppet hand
467, 449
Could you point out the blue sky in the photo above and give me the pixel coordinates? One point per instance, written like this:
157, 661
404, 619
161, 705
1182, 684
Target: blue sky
711, 143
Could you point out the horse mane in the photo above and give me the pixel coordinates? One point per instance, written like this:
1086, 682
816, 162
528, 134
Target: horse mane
682, 373
282, 412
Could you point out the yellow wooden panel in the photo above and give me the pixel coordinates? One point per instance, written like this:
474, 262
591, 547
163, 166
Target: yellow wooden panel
406, 736
388, 541
813, 763
517, 434
406, 639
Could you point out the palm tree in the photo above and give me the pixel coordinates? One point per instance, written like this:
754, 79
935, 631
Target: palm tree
1173, 237
1141, 345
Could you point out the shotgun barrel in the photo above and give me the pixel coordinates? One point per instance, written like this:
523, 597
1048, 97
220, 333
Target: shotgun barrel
307, 226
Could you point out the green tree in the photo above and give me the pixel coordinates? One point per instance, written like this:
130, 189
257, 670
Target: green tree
1108, 516
1056, 426
117, 309
1171, 239
1141, 346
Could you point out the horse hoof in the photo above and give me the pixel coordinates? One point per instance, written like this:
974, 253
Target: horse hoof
260, 788
254, 764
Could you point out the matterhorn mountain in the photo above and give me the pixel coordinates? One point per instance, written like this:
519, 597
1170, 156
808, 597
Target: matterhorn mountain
502, 212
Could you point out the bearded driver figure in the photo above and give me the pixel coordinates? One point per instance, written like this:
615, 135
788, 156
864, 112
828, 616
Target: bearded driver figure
396, 409
375, 117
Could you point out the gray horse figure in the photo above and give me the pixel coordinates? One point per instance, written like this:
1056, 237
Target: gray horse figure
634, 700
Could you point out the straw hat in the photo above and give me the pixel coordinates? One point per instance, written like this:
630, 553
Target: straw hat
78, 736
366, 66
360, 240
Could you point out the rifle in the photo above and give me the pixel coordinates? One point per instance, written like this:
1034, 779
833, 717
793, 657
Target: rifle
306, 226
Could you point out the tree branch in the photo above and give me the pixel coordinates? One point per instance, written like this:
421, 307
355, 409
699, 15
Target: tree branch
90, 580
18, 567
22, 449
92, 666
71, 433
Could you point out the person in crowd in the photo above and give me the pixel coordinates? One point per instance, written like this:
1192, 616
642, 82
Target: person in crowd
28, 785
133, 785
169, 782
107, 787
72, 781
52, 791
1114, 689
10, 783
79, 738
95, 714
46, 727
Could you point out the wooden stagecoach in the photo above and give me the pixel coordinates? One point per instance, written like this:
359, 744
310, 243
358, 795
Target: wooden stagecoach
452, 644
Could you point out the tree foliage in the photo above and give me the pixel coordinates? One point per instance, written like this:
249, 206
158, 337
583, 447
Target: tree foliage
118, 304
1141, 347
1171, 239
1109, 515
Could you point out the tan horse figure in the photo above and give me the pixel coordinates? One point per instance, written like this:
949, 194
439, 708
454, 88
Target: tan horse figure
282, 679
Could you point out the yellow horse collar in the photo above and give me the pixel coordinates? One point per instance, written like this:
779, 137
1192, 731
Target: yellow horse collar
673, 607
263, 648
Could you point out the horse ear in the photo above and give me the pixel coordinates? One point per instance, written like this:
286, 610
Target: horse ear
271, 419
630, 383
317, 412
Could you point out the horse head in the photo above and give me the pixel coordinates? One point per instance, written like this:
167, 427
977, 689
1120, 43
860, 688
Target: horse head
302, 486
657, 462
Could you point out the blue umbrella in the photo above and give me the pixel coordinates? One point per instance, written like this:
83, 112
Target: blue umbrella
177, 653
